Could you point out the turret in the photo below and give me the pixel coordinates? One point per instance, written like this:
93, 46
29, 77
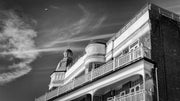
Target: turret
66, 62
95, 52
57, 77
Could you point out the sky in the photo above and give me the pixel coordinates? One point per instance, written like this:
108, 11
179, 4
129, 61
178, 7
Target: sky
34, 33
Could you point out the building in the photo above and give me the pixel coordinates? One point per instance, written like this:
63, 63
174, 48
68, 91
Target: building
140, 63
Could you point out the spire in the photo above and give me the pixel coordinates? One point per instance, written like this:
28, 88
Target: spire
66, 61
57, 77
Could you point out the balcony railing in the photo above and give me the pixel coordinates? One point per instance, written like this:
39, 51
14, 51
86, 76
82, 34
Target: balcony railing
136, 96
102, 70
79, 81
52, 94
133, 55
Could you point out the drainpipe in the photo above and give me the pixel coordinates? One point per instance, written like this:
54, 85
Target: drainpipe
157, 89
113, 59
144, 85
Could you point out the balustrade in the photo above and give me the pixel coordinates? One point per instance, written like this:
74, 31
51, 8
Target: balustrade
139, 52
51, 94
131, 56
88, 76
136, 96
80, 80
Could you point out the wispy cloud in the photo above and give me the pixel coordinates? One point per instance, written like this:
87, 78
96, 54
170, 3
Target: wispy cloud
16, 35
17, 40
87, 23
173, 6
55, 7
85, 38
99, 22
20, 70
58, 49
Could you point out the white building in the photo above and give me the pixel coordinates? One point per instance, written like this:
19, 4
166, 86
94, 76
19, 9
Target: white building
123, 69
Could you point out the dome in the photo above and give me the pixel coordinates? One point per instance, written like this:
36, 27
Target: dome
68, 53
95, 48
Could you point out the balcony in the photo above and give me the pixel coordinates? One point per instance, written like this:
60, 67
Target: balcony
136, 96
98, 72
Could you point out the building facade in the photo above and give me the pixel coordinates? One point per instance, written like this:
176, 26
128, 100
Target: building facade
139, 63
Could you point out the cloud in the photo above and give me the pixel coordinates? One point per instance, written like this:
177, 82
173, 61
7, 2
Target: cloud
55, 7
16, 35
18, 71
84, 38
99, 22
41, 50
173, 6
17, 39
57, 49
87, 23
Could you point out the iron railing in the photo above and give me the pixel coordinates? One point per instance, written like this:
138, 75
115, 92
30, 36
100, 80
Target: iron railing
95, 73
135, 96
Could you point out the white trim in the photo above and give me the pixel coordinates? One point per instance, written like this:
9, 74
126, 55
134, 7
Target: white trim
75, 66
128, 41
109, 46
74, 73
134, 27
143, 19
132, 39
137, 68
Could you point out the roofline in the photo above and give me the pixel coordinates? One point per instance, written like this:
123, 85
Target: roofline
129, 23
148, 6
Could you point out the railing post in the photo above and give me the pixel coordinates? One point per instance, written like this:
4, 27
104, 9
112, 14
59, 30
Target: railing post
113, 58
91, 75
86, 77
73, 83
113, 62
114, 98
131, 55
57, 91
142, 51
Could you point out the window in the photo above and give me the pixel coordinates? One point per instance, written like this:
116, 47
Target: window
137, 88
96, 65
132, 90
126, 50
109, 98
127, 91
134, 44
122, 93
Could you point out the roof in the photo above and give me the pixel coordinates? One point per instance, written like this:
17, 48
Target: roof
148, 6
